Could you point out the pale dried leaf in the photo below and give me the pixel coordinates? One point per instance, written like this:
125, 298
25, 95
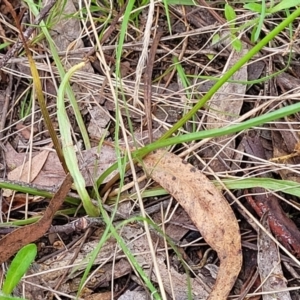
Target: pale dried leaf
207, 208
269, 266
99, 120
92, 163
21, 172
24, 131
99, 296
134, 295
224, 108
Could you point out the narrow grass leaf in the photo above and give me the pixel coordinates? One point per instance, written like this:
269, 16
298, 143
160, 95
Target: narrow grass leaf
168, 15
277, 114
60, 68
68, 147
285, 186
260, 21
182, 76
231, 71
4, 297
18, 267
284, 5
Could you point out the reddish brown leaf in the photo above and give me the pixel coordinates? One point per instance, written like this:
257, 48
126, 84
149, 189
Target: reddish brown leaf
14, 241
207, 208
281, 225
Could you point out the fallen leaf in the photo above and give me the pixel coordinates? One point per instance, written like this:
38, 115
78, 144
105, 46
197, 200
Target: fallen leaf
93, 162
269, 267
15, 240
224, 108
19, 200
98, 123
24, 131
207, 208
21, 172
263, 202
99, 296
134, 295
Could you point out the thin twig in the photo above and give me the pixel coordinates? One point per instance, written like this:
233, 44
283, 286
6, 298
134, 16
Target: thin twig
148, 83
6, 105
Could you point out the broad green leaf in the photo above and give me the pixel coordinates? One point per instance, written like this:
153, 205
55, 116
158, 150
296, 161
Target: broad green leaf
237, 45
7, 297
283, 5
253, 7
230, 14
216, 39
18, 267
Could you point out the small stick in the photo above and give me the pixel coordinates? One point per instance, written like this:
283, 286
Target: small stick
148, 83
6, 105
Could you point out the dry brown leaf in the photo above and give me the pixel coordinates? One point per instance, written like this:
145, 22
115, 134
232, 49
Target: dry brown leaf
224, 108
99, 296
207, 208
22, 236
21, 172
92, 162
269, 267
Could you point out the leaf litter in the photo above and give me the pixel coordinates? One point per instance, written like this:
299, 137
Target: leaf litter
224, 107
168, 104
269, 266
208, 210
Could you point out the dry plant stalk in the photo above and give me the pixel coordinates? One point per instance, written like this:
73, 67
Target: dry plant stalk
207, 208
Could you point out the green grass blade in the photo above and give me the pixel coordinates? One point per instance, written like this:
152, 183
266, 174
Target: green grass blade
268, 117
166, 2
68, 147
277, 114
62, 74
231, 71
18, 267
166, 141
284, 5
261, 20
4, 297
285, 186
